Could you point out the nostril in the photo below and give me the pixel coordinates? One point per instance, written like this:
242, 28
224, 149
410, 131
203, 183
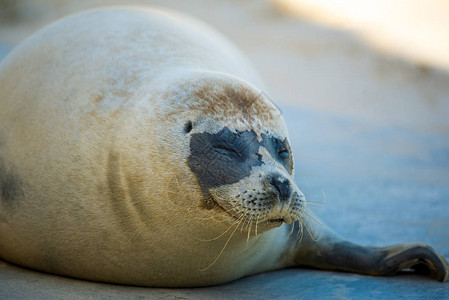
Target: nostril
282, 186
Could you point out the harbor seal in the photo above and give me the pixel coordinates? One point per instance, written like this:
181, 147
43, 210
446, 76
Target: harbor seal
137, 147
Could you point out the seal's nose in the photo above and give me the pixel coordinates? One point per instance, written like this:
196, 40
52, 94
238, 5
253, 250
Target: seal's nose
281, 185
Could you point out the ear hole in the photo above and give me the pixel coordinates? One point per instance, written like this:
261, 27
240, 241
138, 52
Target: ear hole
188, 127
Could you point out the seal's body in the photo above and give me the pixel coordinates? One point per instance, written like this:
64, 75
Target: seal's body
136, 147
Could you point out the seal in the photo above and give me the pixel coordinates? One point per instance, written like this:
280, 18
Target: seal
137, 147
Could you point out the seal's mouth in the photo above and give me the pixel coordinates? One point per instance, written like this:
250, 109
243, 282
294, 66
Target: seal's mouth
273, 220
276, 220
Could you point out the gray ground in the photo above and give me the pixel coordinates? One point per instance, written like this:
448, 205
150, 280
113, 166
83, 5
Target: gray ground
369, 130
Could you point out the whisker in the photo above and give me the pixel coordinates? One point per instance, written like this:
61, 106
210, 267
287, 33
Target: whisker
325, 198
317, 202
221, 252
293, 229
301, 233
309, 230
245, 222
249, 231
216, 238
257, 222
250, 221
197, 218
312, 217
314, 205
313, 209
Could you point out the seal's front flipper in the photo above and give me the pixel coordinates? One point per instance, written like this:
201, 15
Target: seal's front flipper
328, 251
419, 257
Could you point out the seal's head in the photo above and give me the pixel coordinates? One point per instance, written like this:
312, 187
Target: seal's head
238, 150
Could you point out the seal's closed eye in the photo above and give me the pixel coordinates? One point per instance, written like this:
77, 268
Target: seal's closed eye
225, 150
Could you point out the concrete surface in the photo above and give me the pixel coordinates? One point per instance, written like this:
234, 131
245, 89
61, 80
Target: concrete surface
368, 129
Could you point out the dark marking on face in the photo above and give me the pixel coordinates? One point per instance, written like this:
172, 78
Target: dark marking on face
279, 150
188, 127
10, 185
224, 157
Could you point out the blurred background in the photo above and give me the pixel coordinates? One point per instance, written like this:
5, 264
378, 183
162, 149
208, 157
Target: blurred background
381, 60
364, 89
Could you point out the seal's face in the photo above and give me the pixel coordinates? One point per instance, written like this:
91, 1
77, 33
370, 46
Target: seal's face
239, 153
247, 175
